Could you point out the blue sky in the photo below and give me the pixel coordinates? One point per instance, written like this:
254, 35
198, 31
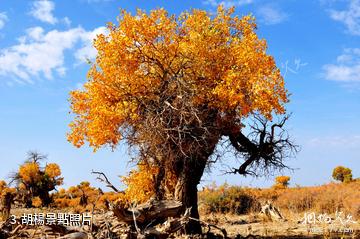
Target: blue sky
44, 44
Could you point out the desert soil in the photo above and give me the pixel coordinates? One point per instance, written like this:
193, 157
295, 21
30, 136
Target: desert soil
237, 226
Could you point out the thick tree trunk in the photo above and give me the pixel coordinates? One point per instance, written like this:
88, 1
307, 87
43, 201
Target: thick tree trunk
44, 196
186, 191
5, 206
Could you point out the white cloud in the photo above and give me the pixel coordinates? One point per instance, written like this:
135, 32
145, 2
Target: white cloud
271, 15
42, 10
88, 51
347, 67
342, 73
34, 33
3, 19
66, 21
227, 3
41, 53
350, 17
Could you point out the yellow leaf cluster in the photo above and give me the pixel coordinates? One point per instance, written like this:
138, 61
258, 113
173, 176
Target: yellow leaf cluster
30, 172
36, 202
342, 174
3, 185
281, 182
220, 60
116, 198
52, 170
140, 183
4, 189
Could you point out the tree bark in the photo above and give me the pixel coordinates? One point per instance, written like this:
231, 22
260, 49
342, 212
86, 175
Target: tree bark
45, 198
5, 205
186, 191
148, 213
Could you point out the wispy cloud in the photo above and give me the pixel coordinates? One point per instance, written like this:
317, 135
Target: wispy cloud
3, 19
40, 53
336, 141
66, 21
227, 3
349, 17
42, 10
347, 67
271, 15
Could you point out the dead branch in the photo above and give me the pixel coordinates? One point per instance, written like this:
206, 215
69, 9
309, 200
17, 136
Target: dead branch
134, 218
102, 178
271, 212
264, 149
148, 212
171, 226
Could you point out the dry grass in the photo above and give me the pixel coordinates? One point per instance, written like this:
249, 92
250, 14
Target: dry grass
327, 198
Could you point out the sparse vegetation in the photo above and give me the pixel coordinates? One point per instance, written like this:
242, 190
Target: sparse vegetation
139, 189
342, 174
327, 198
214, 200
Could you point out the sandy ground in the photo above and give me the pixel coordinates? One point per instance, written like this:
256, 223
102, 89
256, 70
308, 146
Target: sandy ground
239, 226
293, 225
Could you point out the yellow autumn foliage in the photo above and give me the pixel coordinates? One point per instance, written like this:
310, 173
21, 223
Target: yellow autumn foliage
52, 170
140, 183
36, 202
139, 188
281, 182
29, 172
5, 189
81, 197
3, 185
220, 59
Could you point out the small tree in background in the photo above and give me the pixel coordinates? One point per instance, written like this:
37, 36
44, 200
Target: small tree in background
35, 182
342, 174
80, 198
6, 197
281, 182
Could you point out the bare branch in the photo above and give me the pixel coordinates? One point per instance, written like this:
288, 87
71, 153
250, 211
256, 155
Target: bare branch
263, 150
102, 178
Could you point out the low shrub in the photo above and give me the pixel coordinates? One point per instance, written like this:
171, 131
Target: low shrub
228, 199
